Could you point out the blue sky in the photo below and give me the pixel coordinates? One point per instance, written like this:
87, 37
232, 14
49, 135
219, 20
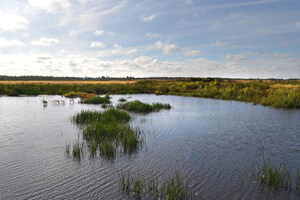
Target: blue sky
205, 38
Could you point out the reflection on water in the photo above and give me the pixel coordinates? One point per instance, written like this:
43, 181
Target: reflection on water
212, 143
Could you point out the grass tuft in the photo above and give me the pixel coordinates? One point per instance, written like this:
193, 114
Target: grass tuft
96, 100
139, 186
86, 117
77, 151
109, 132
122, 100
139, 107
273, 176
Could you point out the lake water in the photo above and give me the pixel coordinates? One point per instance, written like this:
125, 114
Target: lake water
213, 144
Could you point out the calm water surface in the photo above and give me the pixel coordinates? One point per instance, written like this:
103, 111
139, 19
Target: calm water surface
212, 143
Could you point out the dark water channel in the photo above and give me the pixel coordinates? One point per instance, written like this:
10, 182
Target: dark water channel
212, 143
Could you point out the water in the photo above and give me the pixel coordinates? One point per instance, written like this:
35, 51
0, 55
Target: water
212, 143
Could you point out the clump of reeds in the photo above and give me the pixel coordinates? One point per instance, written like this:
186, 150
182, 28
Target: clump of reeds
77, 150
122, 100
86, 117
108, 131
139, 107
273, 176
139, 186
111, 136
96, 100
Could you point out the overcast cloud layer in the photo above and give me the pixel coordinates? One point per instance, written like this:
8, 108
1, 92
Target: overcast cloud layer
246, 39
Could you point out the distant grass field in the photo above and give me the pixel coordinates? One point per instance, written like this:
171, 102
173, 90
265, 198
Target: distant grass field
68, 82
276, 93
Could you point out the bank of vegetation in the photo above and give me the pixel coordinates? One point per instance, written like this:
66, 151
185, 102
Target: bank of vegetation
276, 93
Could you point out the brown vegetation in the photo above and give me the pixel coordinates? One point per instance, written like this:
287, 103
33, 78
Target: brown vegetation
68, 82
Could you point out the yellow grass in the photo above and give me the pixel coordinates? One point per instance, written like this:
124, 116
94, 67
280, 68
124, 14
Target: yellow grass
293, 87
68, 82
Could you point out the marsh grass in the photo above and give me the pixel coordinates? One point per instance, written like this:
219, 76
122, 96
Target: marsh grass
78, 94
108, 132
110, 115
95, 100
139, 107
273, 176
140, 186
276, 93
122, 100
68, 150
77, 150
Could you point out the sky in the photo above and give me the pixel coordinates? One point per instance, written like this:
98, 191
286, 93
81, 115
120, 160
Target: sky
150, 38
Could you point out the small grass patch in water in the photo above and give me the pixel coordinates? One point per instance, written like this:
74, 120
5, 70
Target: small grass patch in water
139, 186
111, 136
77, 150
95, 100
109, 132
139, 107
104, 105
122, 100
86, 117
273, 176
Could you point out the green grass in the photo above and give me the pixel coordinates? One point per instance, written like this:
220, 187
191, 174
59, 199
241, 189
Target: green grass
273, 176
111, 136
139, 107
104, 105
108, 132
276, 93
139, 186
86, 117
122, 100
77, 151
96, 100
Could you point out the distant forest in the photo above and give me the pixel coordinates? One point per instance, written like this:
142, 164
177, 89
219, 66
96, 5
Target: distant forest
67, 78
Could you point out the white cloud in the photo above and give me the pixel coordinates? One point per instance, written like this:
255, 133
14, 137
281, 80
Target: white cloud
236, 58
236, 14
189, 1
189, 53
152, 35
45, 42
97, 44
99, 32
151, 17
116, 46
50, 6
111, 33
12, 22
215, 26
218, 43
282, 55
167, 48
183, 22
247, 20
73, 33
132, 51
26, 35
63, 51
81, 65
9, 43
117, 50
